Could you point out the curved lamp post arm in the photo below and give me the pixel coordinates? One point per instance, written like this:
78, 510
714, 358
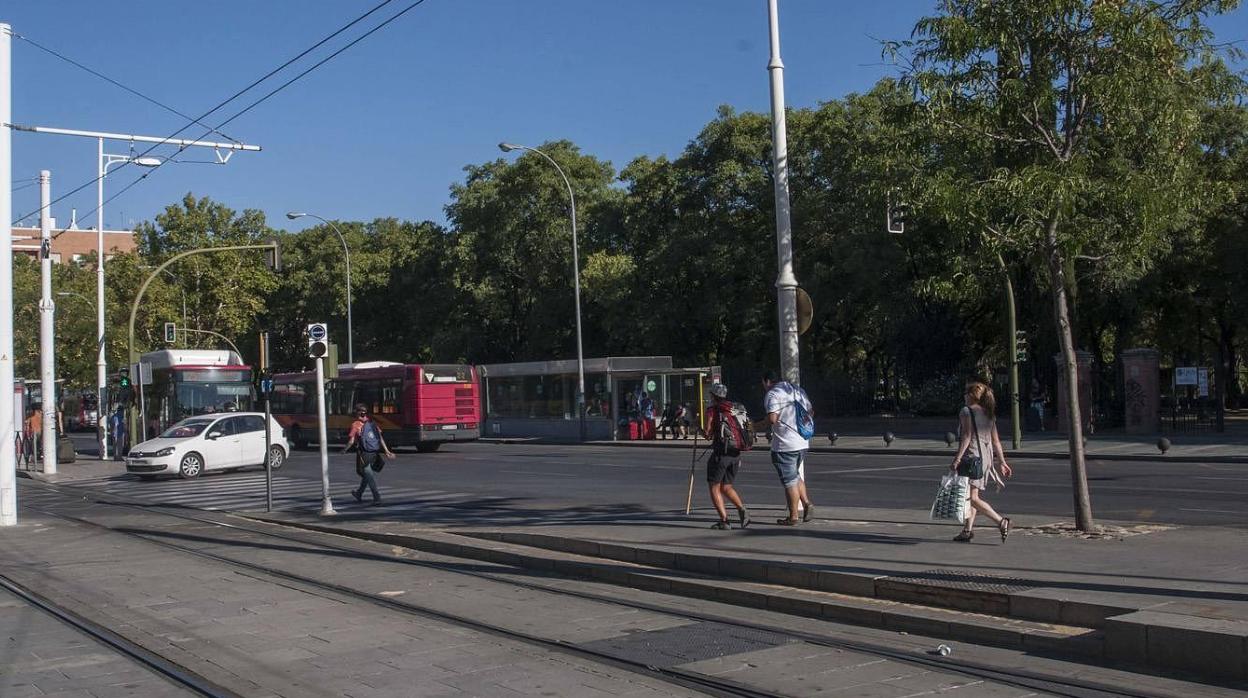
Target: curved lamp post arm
576, 278
134, 307
218, 335
346, 251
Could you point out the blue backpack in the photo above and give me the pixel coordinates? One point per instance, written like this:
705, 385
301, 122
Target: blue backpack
370, 437
805, 425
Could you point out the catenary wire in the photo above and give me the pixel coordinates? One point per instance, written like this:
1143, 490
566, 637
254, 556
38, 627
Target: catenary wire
111, 81
273, 92
218, 107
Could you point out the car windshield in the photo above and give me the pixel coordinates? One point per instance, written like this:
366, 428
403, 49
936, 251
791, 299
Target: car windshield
186, 429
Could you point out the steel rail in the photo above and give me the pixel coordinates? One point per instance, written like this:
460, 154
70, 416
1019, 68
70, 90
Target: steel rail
171, 671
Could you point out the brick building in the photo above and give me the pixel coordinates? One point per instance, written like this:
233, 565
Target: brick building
73, 244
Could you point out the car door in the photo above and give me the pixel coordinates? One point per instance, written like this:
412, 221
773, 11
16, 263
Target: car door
251, 439
222, 448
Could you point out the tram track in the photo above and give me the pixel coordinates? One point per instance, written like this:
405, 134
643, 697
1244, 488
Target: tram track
1063, 685
170, 671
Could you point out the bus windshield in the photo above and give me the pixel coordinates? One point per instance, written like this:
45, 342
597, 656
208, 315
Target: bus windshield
210, 390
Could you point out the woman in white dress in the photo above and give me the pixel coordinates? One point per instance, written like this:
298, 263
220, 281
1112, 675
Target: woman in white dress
978, 419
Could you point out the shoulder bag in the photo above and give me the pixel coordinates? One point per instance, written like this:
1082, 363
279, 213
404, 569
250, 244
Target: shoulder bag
971, 467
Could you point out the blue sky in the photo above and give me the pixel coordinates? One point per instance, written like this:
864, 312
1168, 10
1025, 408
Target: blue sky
386, 128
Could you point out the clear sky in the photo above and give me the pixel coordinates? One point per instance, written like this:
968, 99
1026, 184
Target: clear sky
386, 128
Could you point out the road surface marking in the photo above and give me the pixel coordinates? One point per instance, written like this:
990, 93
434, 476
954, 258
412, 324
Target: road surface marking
1214, 511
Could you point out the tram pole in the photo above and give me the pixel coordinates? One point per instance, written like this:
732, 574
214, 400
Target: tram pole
266, 389
327, 506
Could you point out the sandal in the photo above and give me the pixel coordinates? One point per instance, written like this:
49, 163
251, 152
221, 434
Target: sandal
1004, 527
964, 537
744, 516
787, 522
808, 513
721, 525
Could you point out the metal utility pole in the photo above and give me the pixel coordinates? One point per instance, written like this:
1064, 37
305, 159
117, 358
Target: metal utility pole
786, 282
47, 318
106, 160
327, 505
8, 452
266, 389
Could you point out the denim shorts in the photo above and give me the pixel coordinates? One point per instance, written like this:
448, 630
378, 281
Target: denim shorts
787, 464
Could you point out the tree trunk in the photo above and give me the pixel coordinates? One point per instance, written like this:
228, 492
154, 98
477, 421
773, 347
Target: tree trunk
1070, 374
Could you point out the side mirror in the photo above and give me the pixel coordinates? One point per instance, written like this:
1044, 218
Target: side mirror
213, 435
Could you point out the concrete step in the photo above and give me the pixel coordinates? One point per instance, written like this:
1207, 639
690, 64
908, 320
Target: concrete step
877, 613
952, 589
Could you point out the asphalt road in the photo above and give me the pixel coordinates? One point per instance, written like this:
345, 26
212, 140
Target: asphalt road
638, 479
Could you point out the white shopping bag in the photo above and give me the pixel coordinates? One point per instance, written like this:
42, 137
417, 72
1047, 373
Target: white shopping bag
952, 499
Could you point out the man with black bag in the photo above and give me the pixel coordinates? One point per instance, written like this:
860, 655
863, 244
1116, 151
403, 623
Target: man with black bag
368, 453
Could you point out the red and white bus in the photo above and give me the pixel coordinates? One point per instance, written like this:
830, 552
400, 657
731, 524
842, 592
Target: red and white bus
421, 405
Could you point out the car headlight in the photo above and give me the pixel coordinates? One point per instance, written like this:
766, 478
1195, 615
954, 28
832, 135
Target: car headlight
164, 452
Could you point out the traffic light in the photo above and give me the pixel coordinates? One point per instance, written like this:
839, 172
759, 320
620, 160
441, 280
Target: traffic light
273, 258
171, 332
895, 214
318, 340
125, 391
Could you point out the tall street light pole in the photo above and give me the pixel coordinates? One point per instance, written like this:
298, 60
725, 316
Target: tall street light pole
47, 330
8, 452
576, 283
346, 252
105, 160
786, 282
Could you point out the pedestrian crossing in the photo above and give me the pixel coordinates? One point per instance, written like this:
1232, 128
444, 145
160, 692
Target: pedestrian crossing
246, 492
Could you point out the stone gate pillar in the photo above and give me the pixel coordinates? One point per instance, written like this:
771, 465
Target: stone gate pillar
1141, 383
1083, 360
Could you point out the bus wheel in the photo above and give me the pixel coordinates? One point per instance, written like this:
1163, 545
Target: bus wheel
428, 446
277, 457
298, 439
192, 465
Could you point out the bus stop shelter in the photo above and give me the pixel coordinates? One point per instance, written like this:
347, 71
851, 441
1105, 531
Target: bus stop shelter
537, 399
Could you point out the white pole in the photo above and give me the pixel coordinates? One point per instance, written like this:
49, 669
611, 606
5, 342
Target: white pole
101, 359
786, 282
327, 506
8, 453
47, 317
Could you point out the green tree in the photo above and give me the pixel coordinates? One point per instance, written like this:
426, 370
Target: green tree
1096, 105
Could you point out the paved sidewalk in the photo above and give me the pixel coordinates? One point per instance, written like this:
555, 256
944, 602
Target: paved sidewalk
1181, 589
1211, 448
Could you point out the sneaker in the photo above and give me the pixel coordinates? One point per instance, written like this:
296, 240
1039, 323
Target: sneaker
359, 497
376, 503
743, 516
808, 513
721, 526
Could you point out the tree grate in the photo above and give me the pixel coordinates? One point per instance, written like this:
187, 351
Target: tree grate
965, 581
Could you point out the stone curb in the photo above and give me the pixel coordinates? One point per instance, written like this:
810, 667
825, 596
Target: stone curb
942, 452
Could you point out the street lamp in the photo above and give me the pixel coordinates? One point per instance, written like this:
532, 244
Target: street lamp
576, 282
346, 251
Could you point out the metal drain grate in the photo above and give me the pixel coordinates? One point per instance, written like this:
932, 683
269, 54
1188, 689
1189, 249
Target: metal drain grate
684, 644
964, 581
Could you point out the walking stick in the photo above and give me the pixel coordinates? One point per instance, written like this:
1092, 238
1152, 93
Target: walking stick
693, 455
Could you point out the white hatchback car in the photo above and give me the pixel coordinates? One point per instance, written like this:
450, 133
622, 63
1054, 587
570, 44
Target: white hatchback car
209, 442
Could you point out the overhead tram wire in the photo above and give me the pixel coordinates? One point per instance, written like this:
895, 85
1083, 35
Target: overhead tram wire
281, 87
111, 81
218, 107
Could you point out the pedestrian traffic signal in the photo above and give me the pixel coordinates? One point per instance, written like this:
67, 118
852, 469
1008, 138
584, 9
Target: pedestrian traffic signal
125, 391
171, 332
318, 340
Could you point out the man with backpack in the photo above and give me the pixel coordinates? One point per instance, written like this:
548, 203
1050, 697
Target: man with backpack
730, 433
368, 454
792, 424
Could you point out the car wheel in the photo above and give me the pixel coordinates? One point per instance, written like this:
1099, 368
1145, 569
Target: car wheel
192, 465
277, 457
428, 447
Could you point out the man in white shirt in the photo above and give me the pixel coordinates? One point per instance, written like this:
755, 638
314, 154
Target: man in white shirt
788, 447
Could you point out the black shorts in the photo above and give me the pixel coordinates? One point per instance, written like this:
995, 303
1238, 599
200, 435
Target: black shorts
722, 469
